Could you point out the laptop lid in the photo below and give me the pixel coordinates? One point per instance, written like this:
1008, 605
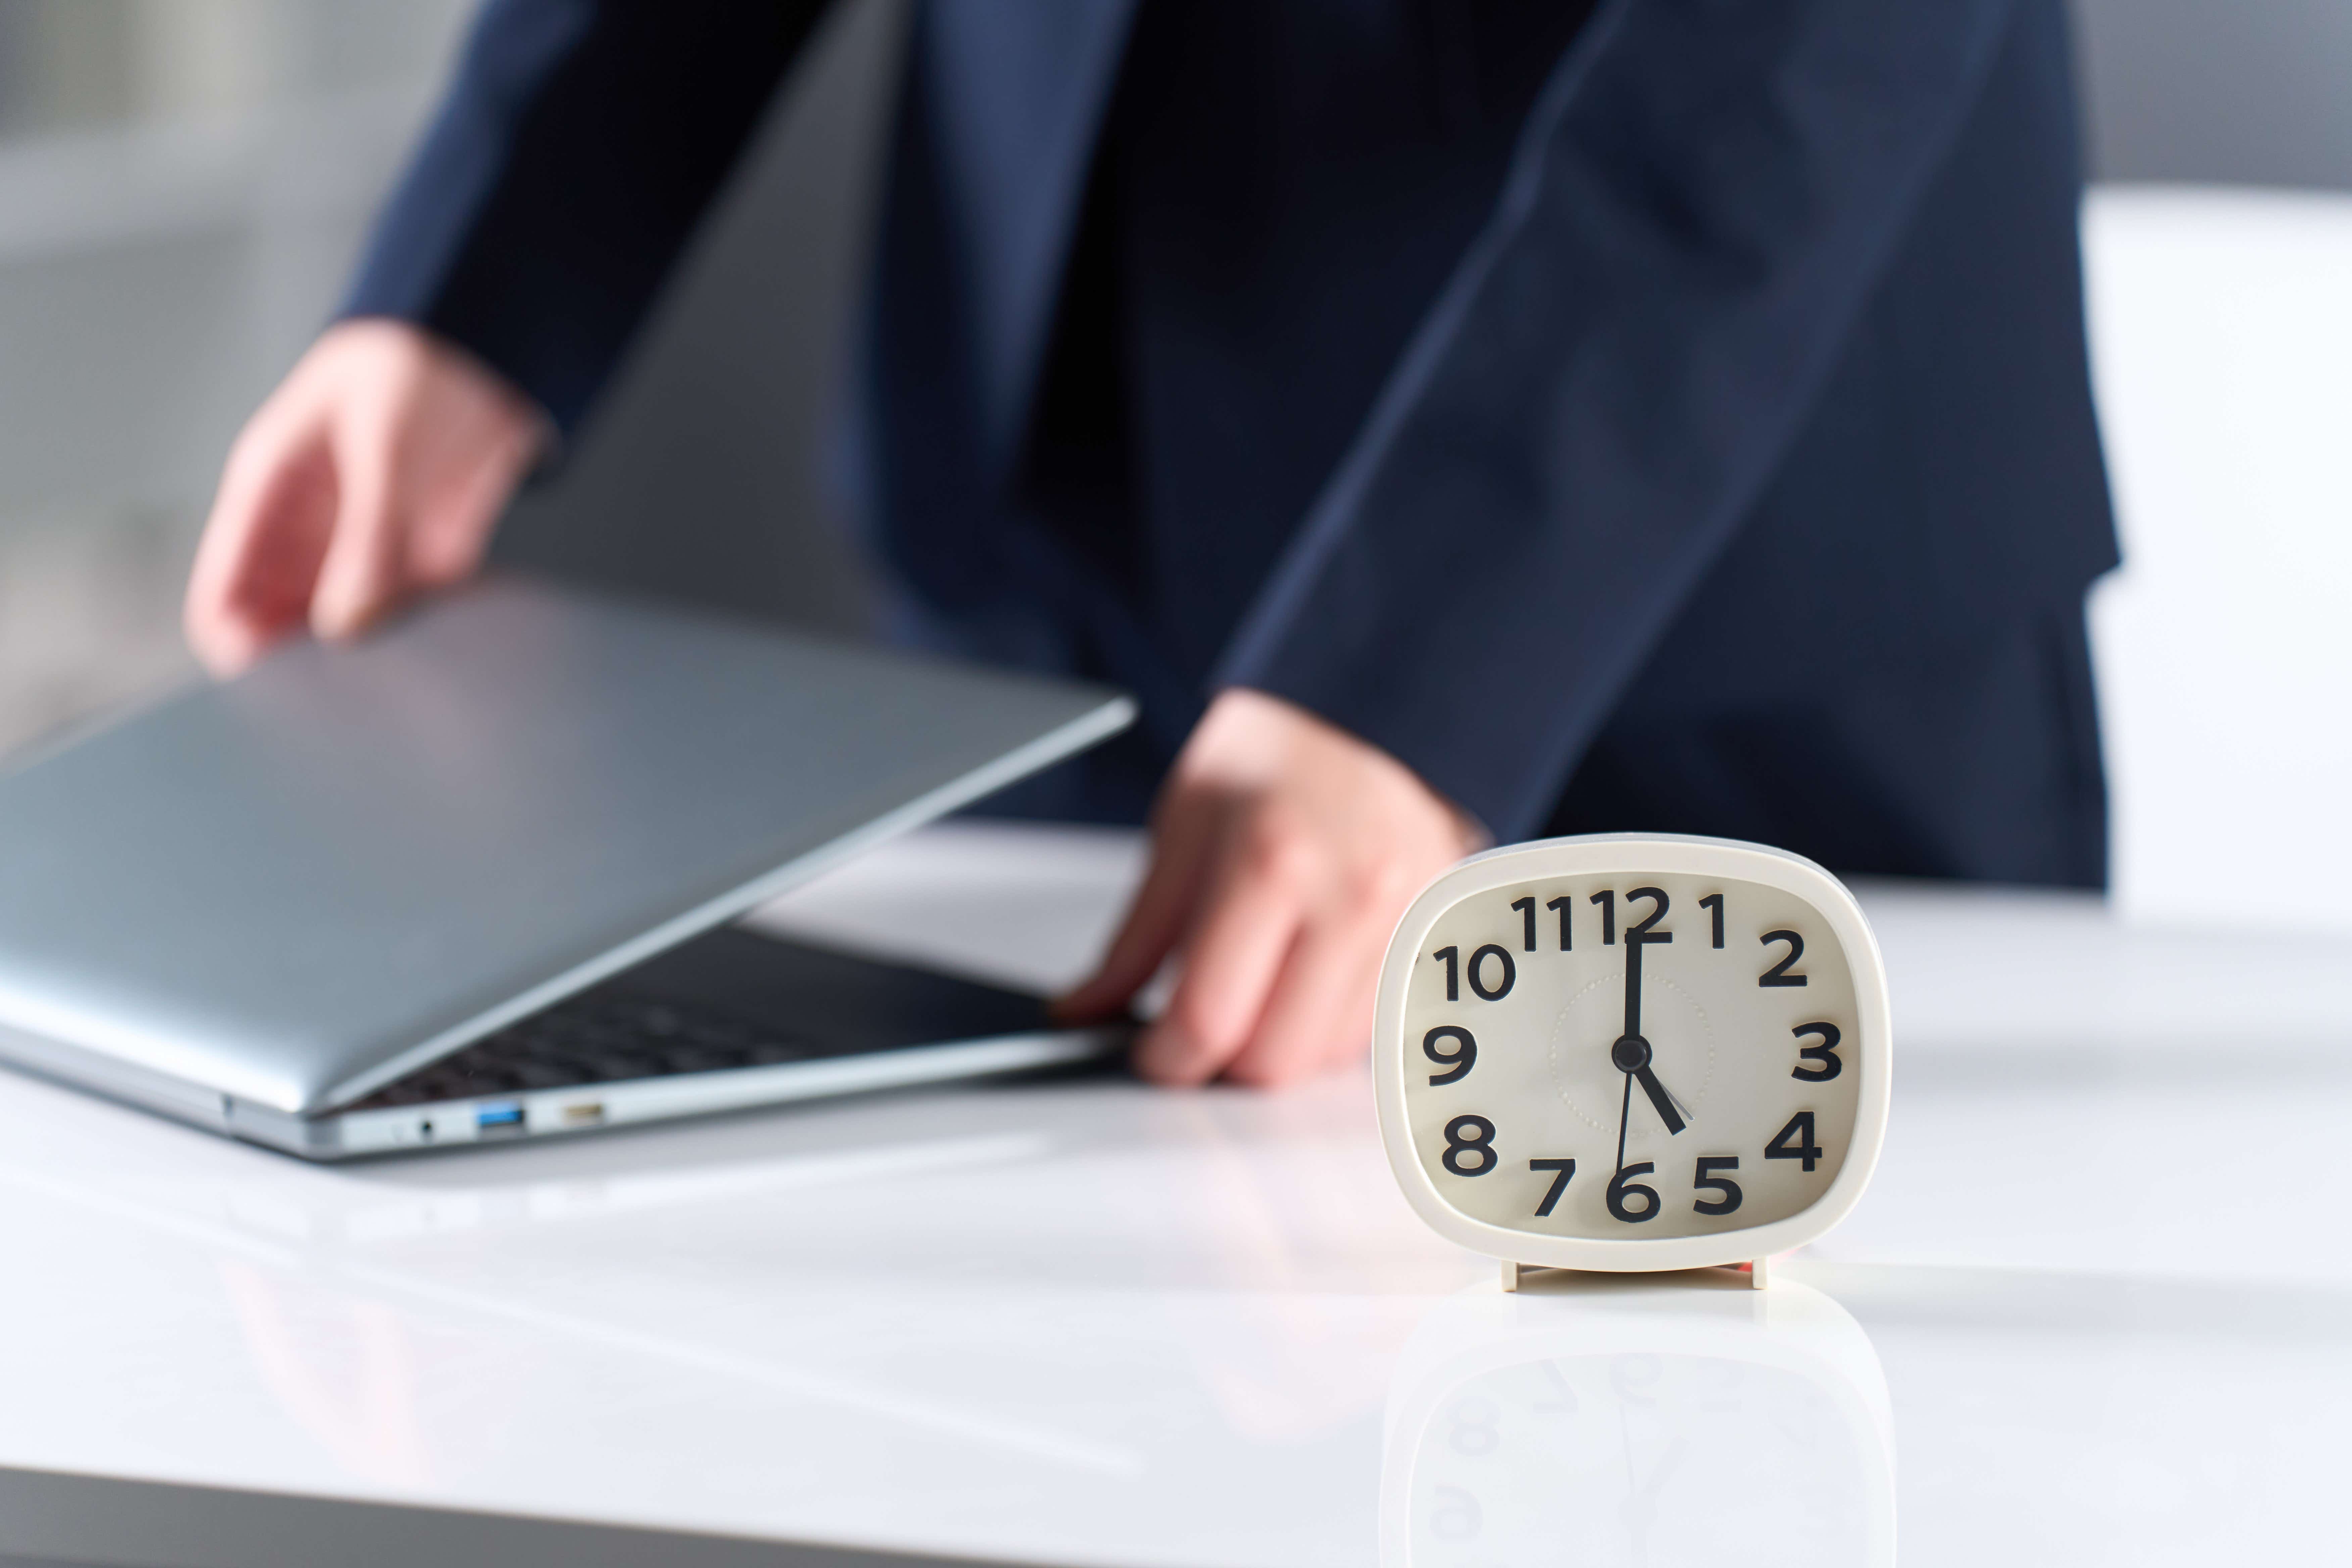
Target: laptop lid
300, 884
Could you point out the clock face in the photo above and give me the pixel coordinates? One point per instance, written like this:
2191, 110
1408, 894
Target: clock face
1630, 1056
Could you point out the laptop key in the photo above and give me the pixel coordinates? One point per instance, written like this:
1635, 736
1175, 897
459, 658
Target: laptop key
599, 1040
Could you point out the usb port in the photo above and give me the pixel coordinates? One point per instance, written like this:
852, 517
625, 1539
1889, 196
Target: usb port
498, 1118
585, 1114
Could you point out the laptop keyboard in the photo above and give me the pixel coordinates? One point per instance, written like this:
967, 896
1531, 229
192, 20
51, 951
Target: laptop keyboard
596, 1039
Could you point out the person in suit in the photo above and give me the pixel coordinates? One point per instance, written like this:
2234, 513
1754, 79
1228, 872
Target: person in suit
1453, 420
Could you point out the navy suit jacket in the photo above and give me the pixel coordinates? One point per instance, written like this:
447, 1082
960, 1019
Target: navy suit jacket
1665, 413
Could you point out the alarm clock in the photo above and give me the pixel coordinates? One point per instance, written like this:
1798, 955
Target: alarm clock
1632, 1052
1606, 1420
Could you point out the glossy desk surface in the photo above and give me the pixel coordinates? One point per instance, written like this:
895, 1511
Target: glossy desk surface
2098, 1306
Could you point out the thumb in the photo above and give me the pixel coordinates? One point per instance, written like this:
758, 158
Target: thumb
1157, 916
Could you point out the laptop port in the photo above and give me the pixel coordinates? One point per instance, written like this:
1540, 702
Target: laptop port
587, 1113
498, 1118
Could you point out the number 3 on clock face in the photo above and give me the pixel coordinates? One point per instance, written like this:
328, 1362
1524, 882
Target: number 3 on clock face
1632, 1052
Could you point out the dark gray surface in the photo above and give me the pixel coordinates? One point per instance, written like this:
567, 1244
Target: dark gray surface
2232, 92
305, 882
47, 1520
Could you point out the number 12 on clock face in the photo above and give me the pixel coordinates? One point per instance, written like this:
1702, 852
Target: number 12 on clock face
1627, 1052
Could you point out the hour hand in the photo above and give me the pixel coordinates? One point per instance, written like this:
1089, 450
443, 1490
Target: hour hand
1667, 1111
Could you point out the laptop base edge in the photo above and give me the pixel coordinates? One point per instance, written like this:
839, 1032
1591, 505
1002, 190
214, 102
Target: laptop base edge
111, 1078
532, 1115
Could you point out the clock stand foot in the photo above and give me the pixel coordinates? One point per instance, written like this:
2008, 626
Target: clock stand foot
1758, 1272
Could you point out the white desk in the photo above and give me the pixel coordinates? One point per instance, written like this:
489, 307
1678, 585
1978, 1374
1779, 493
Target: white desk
1094, 1323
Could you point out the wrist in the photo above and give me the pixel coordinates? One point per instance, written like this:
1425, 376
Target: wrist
1251, 735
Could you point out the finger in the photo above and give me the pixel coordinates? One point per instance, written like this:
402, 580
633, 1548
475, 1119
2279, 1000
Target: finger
1314, 1010
259, 554
362, 576
1155, 916
1240, 939
1352, 1041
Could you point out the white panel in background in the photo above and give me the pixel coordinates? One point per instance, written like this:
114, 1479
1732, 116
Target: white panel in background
2221, 348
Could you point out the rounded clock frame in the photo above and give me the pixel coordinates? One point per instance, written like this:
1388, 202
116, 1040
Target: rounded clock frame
1639, 853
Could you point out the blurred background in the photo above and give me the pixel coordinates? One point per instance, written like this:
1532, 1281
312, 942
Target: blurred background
183, 185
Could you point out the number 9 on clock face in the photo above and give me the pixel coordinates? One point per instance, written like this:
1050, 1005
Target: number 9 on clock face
1632, 1052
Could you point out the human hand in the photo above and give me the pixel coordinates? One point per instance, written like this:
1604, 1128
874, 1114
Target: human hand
376, 471
1282, 850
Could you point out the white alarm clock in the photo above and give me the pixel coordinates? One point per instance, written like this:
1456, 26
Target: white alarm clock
1632, 1052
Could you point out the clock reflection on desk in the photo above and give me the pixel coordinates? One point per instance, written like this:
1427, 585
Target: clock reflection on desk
1602, 1423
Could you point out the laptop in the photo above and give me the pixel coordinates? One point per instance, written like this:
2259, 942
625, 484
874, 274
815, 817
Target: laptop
54, 1519
471, 878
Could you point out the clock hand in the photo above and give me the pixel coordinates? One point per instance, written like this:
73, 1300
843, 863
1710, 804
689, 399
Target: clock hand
1658, 1096
1631, 1054
1625, 1112
1633, 986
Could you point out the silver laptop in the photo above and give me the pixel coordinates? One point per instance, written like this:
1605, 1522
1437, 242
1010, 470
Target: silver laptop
470, 878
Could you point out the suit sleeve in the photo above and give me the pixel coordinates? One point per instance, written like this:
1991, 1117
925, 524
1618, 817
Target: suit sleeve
577, 148
1699, 208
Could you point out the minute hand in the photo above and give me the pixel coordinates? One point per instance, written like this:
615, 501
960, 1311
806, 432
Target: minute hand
1633, 986
1637, 1062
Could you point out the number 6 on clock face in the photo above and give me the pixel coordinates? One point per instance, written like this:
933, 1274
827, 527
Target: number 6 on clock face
1686, 1062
